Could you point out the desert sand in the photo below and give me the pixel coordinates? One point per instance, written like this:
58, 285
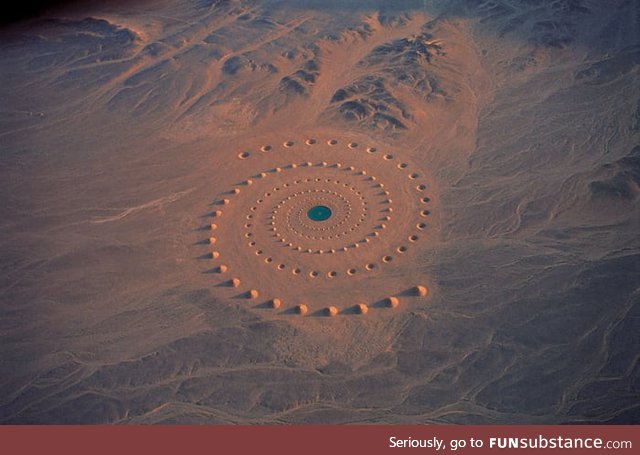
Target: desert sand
473, 168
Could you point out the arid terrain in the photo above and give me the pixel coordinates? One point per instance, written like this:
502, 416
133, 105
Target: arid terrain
264, 212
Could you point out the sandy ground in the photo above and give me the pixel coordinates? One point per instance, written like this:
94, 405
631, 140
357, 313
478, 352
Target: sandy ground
488, 151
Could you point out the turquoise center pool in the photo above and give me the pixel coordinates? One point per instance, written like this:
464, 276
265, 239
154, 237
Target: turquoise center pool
319, 213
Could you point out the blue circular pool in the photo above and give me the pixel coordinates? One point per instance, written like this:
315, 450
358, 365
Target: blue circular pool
319, 213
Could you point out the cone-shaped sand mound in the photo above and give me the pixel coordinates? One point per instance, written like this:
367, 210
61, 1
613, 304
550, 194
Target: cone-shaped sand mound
338, 223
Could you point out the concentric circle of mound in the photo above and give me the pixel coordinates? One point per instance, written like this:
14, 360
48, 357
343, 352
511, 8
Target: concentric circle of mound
326, 222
